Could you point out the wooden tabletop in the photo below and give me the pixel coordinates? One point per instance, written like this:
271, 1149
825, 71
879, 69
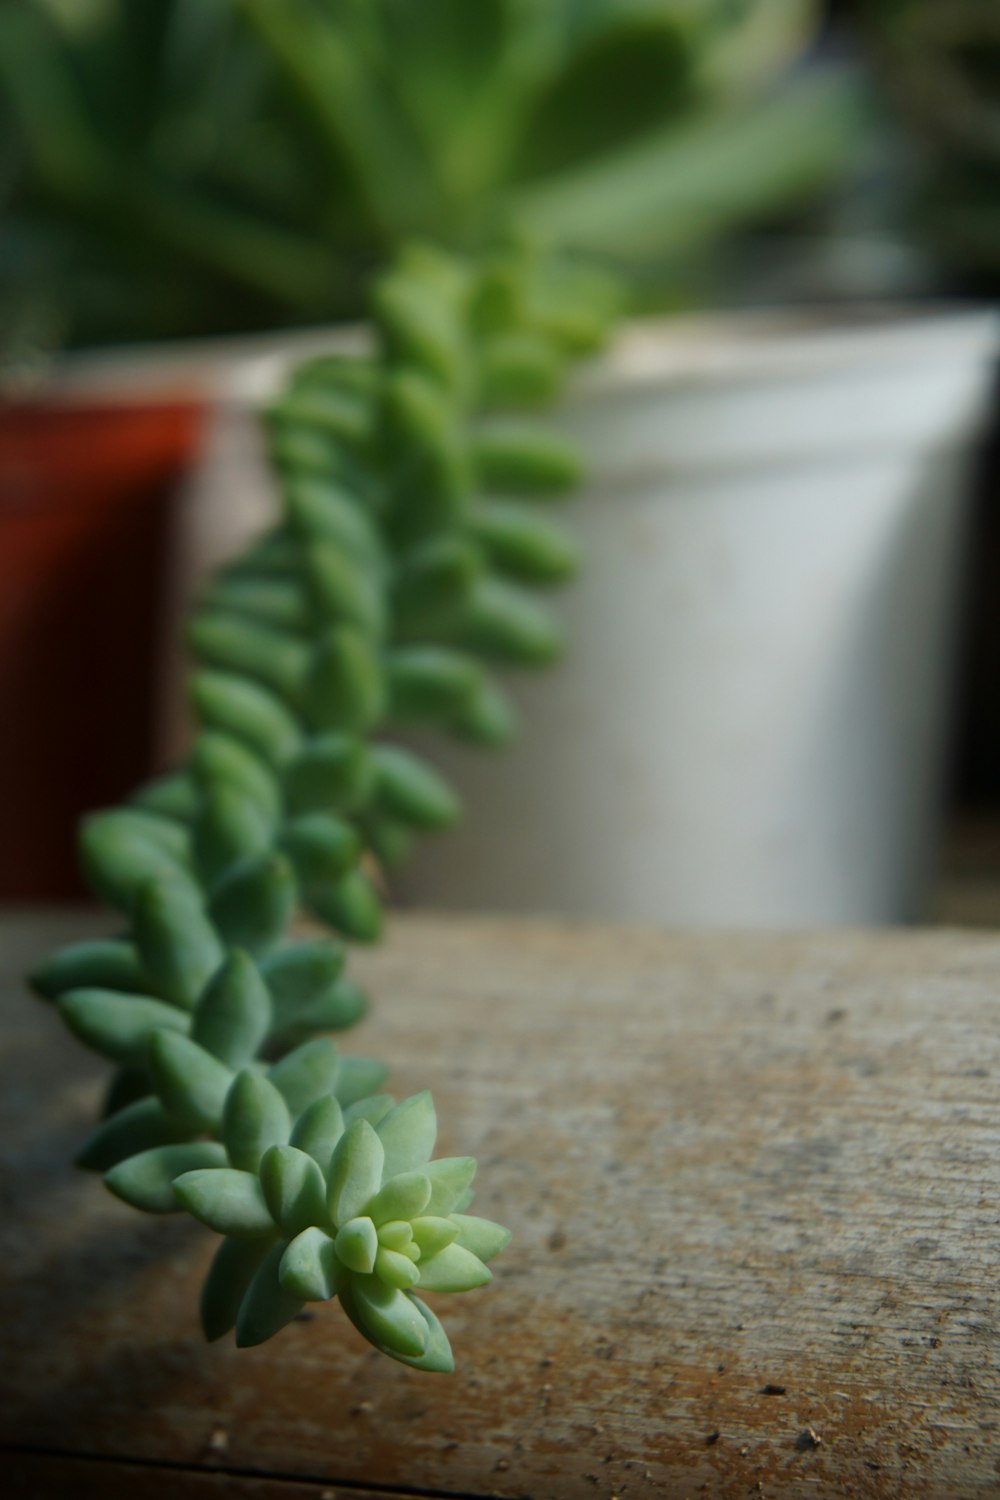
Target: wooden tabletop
754, 1189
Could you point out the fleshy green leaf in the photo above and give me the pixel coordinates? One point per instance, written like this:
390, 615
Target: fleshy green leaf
306, 1074
227, 1200
228, 829
433, 1234
450, 1177
332, 773
191, 1083
430, 684
396, 1234
487, 717
248, 712
373, 1109
309, 423
433, 586
342, 1005
234, 1266
267, 1307
294, 1188
395, 1269
178, 946
351, 905
253, 903
174, 796
255, 1118
299, 972
359, 1077
524, 544
480, 1236
411, 790
516, 457
505, 623
387, 1317
520, 370
101, 963
343, 685
420, 329
319, 1129
402, 1197
452, 1270
123, 850
341, 591
320, 509
357, 1245
310, 1268
234, 644
436, 1357
408, 1134
430, 474
146, 1181
267, 601
137, 1127
233, 1014
322, 849
355, 1171
118, 1025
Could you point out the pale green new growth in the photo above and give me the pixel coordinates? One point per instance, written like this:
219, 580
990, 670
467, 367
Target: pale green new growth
344, 1205
382, 598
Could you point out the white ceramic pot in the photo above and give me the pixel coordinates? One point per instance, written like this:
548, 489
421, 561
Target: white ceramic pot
750, 723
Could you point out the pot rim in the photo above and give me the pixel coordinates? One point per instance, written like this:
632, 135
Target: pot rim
687, 349
790, 343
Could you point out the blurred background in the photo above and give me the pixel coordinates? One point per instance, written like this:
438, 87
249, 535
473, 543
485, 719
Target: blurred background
794, 448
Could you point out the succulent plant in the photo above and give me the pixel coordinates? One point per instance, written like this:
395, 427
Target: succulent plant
389, 588
174, 167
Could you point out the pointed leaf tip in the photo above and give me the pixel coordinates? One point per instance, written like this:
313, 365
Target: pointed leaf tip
227, 1200
192, 1084
146, 1180
267, 1306
388, 1317
355, 1171
294, 1189
310, 1267
408, 1134
255, 1118
453, 1270
233, 1013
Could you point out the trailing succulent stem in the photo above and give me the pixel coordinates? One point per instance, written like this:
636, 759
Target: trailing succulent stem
398, 574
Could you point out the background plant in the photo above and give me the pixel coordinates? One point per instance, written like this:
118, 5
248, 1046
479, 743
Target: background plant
941, 69
184, 166
390, 585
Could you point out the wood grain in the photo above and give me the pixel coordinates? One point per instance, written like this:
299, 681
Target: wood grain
754, 1188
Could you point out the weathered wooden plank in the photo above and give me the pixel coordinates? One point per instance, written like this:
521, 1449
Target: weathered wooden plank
754, 1189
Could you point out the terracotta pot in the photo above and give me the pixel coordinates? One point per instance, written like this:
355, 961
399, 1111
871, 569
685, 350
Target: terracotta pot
85, 491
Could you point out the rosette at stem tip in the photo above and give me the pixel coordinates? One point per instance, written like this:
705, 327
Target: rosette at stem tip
346, 1203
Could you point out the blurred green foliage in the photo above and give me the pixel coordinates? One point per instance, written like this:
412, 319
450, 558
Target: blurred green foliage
941, 68
176, 167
